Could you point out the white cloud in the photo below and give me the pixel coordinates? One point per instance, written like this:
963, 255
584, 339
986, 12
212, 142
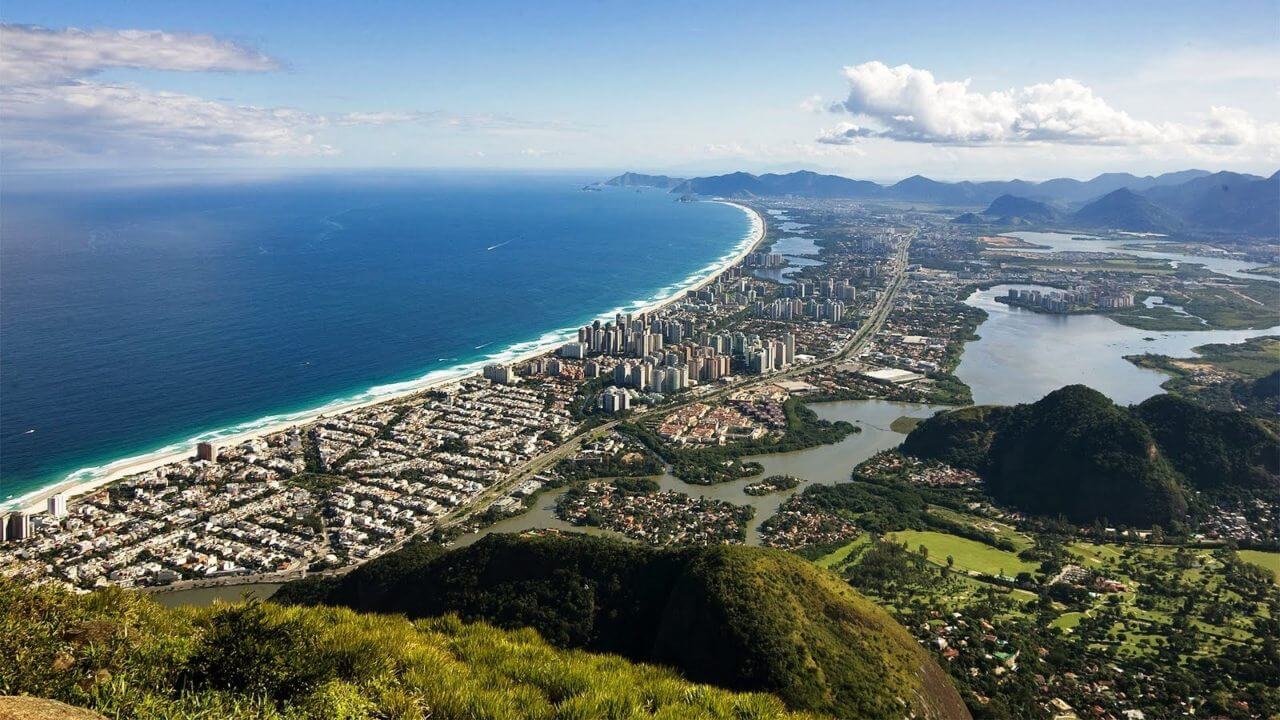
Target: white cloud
86, 118
846, 133
908, 104
775, 152
495, 124
36, 55
813, 104
377, 119
1232, 126
50, 109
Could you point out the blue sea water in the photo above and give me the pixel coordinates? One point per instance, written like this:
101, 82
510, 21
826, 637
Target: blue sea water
140, 312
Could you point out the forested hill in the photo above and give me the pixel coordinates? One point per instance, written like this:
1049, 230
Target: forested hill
123, 655
1077, 454
740, 618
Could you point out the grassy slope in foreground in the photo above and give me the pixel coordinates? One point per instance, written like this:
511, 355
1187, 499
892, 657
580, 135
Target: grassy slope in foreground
126, 656
743, 618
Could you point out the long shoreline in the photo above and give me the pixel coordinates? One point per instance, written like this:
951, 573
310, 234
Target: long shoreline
36, 500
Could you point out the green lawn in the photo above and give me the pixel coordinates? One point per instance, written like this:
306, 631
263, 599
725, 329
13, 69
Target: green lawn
841, 555
1067, 620
904, 424
1093, 555
999, 529
968, 554
1268, 560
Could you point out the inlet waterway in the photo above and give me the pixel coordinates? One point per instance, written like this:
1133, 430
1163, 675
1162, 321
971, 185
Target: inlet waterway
822, 465
1069, 242
1023, 355
1020, 357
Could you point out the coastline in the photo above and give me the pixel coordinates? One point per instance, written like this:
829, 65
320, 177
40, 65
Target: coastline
75, 484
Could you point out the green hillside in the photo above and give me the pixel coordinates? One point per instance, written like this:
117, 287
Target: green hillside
1077, 454
741, 618
1213, 449
1073, 453
125, 656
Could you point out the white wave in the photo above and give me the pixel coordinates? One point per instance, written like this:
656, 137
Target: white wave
543, 343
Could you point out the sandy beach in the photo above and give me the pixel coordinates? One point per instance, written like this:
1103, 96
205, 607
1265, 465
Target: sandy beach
36, 501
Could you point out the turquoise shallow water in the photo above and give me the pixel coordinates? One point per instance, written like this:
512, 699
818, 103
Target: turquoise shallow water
137, 313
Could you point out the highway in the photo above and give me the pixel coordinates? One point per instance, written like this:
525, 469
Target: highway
460, 515
875, 320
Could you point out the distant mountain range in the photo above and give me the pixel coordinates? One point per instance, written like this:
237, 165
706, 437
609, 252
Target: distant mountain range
638, 180
1188, 200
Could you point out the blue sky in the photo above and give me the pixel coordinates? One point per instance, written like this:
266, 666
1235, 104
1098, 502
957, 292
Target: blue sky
1053, 88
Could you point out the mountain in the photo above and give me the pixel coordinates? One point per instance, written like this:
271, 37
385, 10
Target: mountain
802, 184
918, 188
1187, 199
1076, 453
739, 184
1076, 191
1124, 209
124, 655
1010, 208
810, 184
1259, 397
1213, 449
630, 179
1182, 196
737, 617
1222, 202
1244, 206
1073, 453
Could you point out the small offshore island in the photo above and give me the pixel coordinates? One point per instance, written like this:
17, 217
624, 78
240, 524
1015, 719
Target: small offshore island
772, 484
1060, 550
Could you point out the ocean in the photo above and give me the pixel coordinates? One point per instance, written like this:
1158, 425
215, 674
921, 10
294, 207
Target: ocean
139, 313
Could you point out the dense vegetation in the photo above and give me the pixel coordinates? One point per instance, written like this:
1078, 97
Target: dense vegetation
1195, 637
1077, 454
1213, 450
1107, 622
1238, 376
885, 504
742, 618
127, 657
772, 484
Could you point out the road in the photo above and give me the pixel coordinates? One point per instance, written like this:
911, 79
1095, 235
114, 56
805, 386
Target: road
462, 514
875, 321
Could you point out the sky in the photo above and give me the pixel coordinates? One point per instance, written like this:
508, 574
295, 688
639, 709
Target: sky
974, 90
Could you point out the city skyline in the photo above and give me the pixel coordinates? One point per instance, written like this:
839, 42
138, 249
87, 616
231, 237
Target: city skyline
982, 92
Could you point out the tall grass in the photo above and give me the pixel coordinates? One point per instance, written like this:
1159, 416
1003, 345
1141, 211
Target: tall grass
127, 657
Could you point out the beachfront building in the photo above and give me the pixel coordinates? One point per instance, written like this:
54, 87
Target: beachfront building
207, 452
57, 506
501, 374
18, 526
